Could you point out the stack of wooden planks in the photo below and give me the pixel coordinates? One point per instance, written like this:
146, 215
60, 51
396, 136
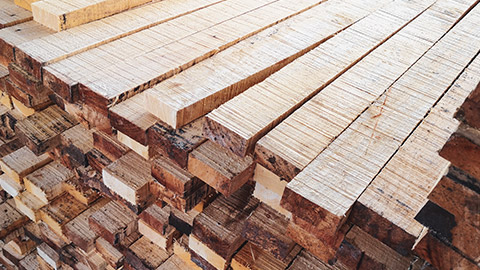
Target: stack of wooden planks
228, 134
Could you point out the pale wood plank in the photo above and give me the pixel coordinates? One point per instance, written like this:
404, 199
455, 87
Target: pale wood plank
239, 123
11, 14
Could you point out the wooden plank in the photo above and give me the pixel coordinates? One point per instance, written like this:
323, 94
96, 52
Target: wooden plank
193, 37
15, 35
11, 219
11, 254
440, 255
456, 198
47, 183
306, 260
23, 244
58, 15
330, 112
131, 118
174, 263
75, 143
27, 82
22, 162
33, 55
49, 255
80, 191
144, 151
181, 99
219, 168
144, 254
41, 131
181, 249
60, 211
78, 230
176, 144
32, 103
112, 255
108, 145
334, 180
10, 186
469, 111
156, 217
129, 177
251, 256
29, 262
163, 238
218, 228
57, 242
386, 204
463, 152
29, 205
266, 229
10, 14
240, 131
114, 222
174, 177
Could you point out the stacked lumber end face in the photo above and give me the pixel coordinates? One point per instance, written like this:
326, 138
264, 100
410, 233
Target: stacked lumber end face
200, 134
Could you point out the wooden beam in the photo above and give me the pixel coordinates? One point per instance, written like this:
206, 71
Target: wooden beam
11, 219
109, 145
156, 217
29, 205
439, 254
114, 222
47, 182
78, 230
10, 186
129, 177
251, 256
59, 16
163, 238
60, 211
266, 229
174, 263
219, 168
184, 40
219, 226
269, 189
41, 131
26, 4
49, 255
143, 254
12, 14
112, 255
306, 260
463, 152
181, 99
22, 162
176, 144
27, 83
144, 151
80, 191
266, 108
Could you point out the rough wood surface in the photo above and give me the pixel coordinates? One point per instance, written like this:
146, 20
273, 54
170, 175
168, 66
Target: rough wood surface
10, 186
112, 255
266, 228
22, 162
129, 177
144, 254
220, 224
29, 205
156, 217
266, 108
78, 230
109, 145
463, 153
11, 219
114, 222
58, 15
47, 182
11, 14
252, 257
219, 168
180, 100
176, 144
41, 131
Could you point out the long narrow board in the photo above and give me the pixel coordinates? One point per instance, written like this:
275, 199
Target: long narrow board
335, 179
60, 15
389, 202
181, 99
331, 111
106, 80
11, 14
33, 55
241, 122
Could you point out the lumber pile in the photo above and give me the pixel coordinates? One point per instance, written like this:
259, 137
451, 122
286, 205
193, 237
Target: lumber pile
233, 134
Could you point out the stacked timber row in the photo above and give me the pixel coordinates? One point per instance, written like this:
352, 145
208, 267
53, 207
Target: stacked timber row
453, 208
233, 134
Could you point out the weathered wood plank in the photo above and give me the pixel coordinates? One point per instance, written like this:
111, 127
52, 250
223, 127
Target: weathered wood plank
47, 182
219, 168
251, 256
112, 255
29, 205
22, 162
10, 14
143, 254
129, 177
41, 131
108, 145
263, 106
11, 219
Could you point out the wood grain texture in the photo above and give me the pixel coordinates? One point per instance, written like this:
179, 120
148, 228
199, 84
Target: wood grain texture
252, 257
22, 162
143, 254
219, 168
11, 218
176, 144
129, 177
41, 131
108, 145
11, 14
